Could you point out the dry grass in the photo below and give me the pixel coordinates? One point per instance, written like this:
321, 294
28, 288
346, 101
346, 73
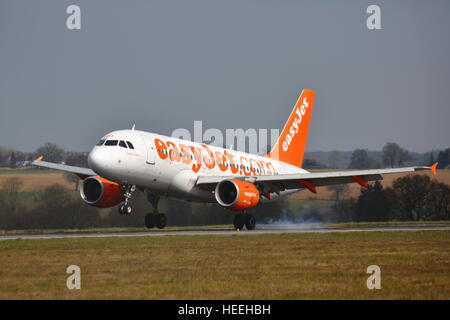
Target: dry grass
414, 265
38, 181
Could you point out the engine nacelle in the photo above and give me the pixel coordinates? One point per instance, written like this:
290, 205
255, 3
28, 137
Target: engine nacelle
99, 192
236, 195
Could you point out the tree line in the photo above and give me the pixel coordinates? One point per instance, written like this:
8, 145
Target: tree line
56, 207
414, 197
51, 152
392, 155
410, 198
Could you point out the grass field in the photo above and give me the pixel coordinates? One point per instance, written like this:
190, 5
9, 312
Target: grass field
36, 180
414, 265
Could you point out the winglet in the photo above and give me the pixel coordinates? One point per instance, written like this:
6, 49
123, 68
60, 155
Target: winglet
39, 159
433, 167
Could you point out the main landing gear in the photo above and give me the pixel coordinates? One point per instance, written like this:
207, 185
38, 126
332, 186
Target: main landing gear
241, 219
125, 208
155, 218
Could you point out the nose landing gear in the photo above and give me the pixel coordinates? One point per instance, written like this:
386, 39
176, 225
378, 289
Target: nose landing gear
126, 208
155, 218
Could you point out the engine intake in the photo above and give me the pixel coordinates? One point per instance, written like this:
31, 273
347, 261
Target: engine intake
99, 192
236, 195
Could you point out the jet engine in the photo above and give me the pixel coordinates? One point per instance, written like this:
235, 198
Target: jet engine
236, 195
99, 192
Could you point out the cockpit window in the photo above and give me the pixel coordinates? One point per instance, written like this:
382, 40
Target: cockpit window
130, 145
111, 142
101, 142
122, 144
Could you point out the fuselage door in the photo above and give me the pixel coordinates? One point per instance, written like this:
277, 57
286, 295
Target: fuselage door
151, 152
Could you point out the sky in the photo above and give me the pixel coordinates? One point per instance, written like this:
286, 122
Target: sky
232, 64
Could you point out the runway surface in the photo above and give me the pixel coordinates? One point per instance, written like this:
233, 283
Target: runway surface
261, 229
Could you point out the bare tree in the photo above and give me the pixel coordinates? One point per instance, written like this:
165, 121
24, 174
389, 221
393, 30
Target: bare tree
404, 156
51, 152
361, 160
338, 191
393, 153
334, 160
12, 161
78, 159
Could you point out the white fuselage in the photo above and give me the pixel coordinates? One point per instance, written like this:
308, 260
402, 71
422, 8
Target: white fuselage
169, 166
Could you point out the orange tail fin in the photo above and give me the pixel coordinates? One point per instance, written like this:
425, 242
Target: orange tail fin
291, 143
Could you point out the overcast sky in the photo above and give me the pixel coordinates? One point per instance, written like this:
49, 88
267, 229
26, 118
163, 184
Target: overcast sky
233, 64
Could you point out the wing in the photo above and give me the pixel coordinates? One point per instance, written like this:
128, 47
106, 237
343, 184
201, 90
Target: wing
86, 172
280, 182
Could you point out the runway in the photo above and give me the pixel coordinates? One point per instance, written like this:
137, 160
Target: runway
261, 229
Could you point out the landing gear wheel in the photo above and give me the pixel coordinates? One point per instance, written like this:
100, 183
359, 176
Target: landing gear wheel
155, 219
160, 220
250, 222
150, 220
125, 209
239, 221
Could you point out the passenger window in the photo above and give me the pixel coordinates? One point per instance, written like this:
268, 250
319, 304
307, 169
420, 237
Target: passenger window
111, 142
130, 145
101, 142
122, 144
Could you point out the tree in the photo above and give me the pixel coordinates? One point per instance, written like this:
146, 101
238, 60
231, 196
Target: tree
431, 159
411, 194
345, 210
5, 156
439, 202
11, 188
312, 164
334, 160
338, 190
57, 207
373, 204
393, 154
78, 159
444, 158
361, 160
391, 150
404, 156
51, 152
12, 161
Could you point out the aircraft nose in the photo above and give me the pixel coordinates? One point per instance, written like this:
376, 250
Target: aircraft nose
96, 160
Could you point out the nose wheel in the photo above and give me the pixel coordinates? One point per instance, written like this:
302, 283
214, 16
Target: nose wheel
125, 208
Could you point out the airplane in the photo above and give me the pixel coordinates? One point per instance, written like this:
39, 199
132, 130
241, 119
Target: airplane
163, 166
